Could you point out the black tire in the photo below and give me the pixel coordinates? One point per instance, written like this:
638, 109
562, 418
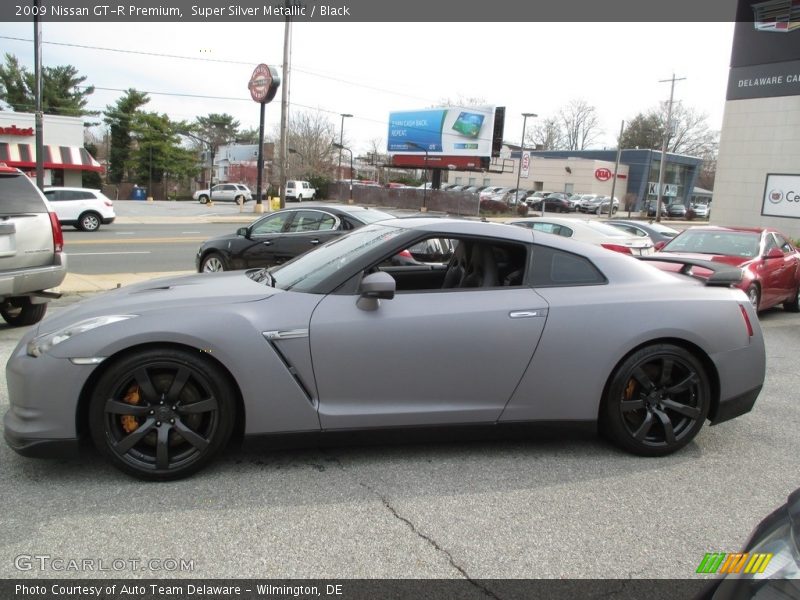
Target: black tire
161, 414
754, 295
793, 305
212, 263
239, 200
19, 312
657, 401
203, 199
89, 221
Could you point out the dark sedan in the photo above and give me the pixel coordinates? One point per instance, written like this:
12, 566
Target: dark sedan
551, 204
676, 210
282, 235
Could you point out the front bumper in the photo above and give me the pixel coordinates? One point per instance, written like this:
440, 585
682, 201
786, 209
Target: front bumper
43, 395
41, 448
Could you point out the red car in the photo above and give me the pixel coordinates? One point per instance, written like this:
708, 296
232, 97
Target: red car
771, 264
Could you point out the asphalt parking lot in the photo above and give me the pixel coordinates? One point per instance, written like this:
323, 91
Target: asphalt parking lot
539, 505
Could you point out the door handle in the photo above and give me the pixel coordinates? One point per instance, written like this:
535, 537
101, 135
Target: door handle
315, 242
267, 243
527, 314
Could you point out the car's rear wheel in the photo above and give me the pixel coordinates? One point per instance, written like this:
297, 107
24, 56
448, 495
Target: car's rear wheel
203, 199
239, 200
19, 312
161, 414
657, 400
754, 295
793, 305
212, 263
89, 221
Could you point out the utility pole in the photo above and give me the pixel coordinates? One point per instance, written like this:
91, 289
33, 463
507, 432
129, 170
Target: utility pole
667, 129
38, 115
283, 152
616, 168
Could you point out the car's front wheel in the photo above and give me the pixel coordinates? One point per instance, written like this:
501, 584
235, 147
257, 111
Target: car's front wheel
754, 295
212, 263
89, 221
657, 400
19, 312
161, 414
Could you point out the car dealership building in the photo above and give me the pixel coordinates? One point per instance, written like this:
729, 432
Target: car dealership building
758, 169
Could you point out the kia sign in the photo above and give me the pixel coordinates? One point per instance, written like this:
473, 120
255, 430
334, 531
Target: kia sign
781, 196
263, 84
603, 174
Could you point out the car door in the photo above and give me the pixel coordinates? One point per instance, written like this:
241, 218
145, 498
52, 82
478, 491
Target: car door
266, 241
425, 357
781, 272
309, 229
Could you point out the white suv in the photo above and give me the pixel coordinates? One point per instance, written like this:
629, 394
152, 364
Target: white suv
31, 244
82, 208
225, 192
300, 190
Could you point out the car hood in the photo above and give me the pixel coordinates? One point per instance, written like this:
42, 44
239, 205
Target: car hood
734, 261
188, 291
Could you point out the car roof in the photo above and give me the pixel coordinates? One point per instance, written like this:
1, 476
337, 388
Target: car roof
61, 187
733, 228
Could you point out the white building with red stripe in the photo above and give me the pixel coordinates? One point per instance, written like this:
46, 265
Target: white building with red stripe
65, 158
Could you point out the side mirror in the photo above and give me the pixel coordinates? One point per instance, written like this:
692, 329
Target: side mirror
243, 231
774, 253
375, 287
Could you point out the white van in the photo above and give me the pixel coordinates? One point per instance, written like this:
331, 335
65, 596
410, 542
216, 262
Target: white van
300, 190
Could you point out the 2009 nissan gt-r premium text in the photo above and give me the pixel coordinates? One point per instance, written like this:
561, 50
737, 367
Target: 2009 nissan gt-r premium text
160, 374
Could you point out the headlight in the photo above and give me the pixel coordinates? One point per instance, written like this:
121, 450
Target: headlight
43, 343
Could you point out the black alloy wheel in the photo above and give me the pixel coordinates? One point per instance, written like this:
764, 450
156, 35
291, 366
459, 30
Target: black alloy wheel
161, 414
657, 401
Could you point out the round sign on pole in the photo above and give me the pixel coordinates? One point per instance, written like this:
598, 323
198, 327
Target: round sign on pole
603, 174
263, 84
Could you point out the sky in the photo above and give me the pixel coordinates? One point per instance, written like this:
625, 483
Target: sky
372, 69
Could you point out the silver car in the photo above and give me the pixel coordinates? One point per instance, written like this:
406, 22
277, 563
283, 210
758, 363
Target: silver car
32, 261
161, 374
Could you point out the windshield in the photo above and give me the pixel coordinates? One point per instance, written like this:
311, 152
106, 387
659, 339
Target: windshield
729, 243
307, 270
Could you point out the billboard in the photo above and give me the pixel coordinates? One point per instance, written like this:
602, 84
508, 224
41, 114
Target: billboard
448, 131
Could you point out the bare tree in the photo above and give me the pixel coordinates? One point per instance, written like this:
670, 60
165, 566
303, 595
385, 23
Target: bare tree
463, 101
580, 125
689, 132
546, 135
311, 134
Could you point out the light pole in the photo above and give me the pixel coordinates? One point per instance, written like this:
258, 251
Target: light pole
341, 141
522, 151
340, 147
425, 178
667, 131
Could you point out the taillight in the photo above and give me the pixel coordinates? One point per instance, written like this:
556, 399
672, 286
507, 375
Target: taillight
617, 248
748, 325
108, 203
58, 235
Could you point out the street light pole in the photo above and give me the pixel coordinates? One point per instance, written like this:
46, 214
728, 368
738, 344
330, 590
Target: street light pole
521, 152
341, 141
340, 147
425, 177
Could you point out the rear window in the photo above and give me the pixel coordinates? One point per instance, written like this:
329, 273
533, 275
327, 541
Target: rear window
18, 195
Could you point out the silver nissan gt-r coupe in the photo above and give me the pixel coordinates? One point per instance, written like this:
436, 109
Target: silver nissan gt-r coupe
161, 374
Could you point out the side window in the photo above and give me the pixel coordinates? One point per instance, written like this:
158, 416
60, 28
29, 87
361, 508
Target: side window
272, 224
312, 220
84, 196
53, 195
769, 243
556, 268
